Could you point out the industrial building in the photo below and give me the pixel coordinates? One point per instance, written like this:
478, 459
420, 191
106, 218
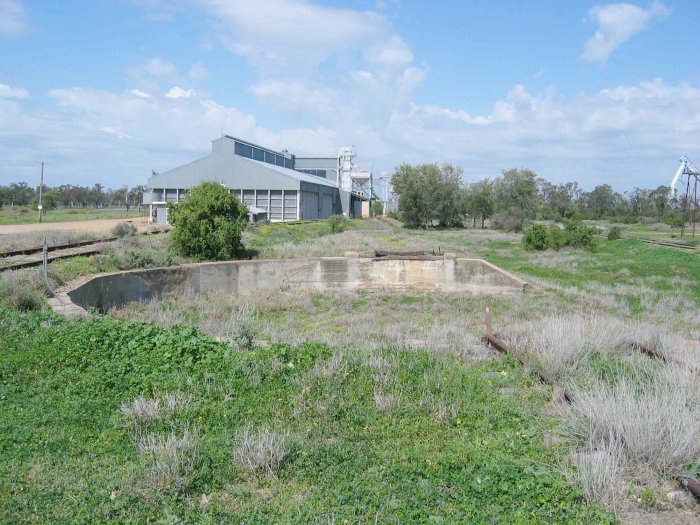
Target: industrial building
275, 185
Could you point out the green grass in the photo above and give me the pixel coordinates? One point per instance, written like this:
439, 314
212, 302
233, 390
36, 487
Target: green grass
641, 261
261, 236
17, 215
68, 456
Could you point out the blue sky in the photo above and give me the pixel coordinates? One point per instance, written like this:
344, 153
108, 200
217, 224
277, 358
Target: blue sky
106, 90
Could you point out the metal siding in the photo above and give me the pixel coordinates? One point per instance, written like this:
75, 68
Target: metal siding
276, 205
309, 205
249, 197
262, 199
290, 206
326, 206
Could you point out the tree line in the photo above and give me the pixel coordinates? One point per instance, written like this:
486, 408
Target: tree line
433, 195
70, 196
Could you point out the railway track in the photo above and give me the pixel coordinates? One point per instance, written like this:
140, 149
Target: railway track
667, 244
57, 247
495, 342
24, 253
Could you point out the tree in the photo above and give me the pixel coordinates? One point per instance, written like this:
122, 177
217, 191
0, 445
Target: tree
208, 223
429, 194
479, 201
516, 189
135, 196
49, 201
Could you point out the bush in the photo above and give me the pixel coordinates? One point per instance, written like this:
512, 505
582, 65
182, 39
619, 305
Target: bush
208, 223
615, 233
535, 238
377, 209
123, 229
579, 235
138, 257
19, 297
511, 221
556, 237
338, 223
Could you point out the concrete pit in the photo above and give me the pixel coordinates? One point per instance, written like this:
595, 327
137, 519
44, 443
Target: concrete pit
353, 272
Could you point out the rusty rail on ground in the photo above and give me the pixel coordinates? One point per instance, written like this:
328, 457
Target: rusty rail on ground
494, 341
667, 244
690, 483
39, 262
29, 251
67, 246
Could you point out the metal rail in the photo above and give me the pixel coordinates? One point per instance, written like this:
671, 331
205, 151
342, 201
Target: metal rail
690, 483
667, 244
39, 262
29, 251
39, 249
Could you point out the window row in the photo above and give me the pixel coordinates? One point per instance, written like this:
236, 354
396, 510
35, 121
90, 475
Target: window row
168, 194
317, 173
280, 204
251, 152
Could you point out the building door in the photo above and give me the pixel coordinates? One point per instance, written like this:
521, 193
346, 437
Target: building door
326, 206
162, 215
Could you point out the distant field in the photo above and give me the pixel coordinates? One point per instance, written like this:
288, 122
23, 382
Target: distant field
27, 215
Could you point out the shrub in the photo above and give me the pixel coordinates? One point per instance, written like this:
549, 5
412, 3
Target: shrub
377, 209
338, 223
615, 233
261, 451
138, 257
123, 229
208, 223
241, 327
19, 297
171, 460
556, 237
511, 221
579, 235
535, 238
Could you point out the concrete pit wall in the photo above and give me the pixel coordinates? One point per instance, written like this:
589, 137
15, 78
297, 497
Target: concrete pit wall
469, 276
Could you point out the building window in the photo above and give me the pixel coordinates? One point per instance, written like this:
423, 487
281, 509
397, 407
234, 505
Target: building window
258, 154
288, 163
243, 150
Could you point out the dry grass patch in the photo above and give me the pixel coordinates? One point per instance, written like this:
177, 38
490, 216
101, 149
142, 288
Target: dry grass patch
261, 451
170, 460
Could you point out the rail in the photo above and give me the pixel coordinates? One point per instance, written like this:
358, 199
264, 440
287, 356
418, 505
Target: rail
493, 341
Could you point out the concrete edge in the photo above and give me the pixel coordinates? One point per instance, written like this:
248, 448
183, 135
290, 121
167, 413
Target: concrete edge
64, 305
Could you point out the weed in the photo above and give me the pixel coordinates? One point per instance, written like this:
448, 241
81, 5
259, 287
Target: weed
170, 460
262, 450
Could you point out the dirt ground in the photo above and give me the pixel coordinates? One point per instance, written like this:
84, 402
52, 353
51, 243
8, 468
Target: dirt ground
92, 225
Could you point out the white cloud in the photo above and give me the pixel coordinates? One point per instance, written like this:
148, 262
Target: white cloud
12, 18
139, 93
12, 92
617, 23
178, 92
158, 67
293, 35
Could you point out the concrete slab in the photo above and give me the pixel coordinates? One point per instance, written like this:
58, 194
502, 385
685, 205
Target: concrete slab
448, 274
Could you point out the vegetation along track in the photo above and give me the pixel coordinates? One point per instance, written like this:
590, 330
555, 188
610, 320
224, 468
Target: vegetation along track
493, 341
667, 244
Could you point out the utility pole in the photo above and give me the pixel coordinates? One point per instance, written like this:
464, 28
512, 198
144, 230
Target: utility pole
41, 188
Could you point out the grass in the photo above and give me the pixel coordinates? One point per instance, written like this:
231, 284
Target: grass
70, 453
26, 215
359, 406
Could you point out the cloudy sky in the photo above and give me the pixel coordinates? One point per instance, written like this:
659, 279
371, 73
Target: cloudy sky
107, 90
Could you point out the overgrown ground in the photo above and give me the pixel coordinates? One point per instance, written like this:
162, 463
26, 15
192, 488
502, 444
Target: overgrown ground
400, 416
28, 215
275, 435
